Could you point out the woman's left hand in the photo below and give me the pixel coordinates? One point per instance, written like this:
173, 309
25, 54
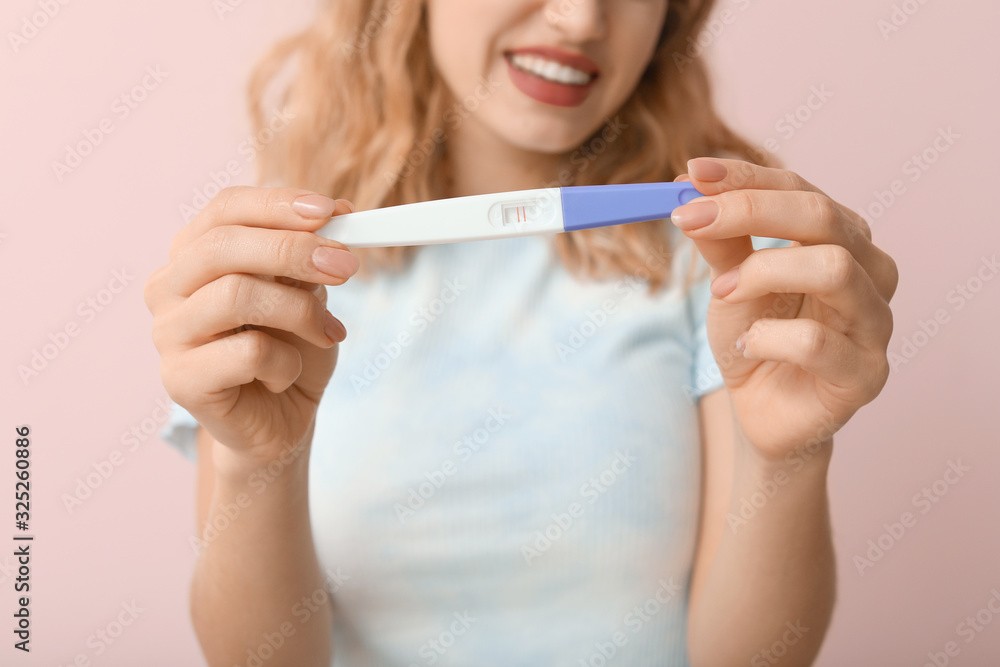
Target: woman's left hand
799, 333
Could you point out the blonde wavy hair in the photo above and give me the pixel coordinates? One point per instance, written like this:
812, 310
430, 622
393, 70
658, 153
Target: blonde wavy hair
368, 123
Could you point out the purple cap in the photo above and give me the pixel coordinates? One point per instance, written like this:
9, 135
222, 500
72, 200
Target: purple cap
586, 206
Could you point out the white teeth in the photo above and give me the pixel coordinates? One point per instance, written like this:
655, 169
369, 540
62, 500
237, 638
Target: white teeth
549, 69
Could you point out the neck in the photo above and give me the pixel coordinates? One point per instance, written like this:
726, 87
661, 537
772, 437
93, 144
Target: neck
480, 162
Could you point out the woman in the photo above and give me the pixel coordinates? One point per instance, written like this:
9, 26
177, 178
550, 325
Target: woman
536, 451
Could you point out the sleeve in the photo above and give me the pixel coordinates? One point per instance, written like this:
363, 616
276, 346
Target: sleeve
705, 374
180, 430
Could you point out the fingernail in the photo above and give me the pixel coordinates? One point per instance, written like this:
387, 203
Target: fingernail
695, 215
725, 284
314, 206
741, 342
335, 331
707, 169
335, 262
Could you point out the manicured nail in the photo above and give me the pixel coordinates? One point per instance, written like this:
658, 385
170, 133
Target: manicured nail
741, 342
335, 331
707, 169
314, 206
695, 215
335, 262
726, 283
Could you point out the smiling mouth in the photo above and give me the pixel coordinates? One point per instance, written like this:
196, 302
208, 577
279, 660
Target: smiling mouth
549, 70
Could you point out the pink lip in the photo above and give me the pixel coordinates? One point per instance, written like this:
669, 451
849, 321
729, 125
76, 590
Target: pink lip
550, 92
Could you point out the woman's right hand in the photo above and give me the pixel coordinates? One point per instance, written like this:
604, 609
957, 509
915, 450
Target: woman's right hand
250, 257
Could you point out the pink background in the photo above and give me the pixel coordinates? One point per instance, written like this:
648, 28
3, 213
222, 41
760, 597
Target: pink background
63, 240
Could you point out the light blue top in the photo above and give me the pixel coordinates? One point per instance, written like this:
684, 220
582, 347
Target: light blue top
506, 466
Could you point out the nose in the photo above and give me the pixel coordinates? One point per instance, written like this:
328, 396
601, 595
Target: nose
578, 20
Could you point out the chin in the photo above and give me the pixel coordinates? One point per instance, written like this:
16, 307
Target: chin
548, 135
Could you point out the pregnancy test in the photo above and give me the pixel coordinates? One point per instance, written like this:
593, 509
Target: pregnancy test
506, 214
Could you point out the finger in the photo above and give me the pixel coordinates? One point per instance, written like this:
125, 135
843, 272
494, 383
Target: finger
807, 217
300, 284
709, 176
714, 175
229, 362
303, 256
816, 349
318, 290
722, 254
828, 272
153, 289
277, 208
237, 299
